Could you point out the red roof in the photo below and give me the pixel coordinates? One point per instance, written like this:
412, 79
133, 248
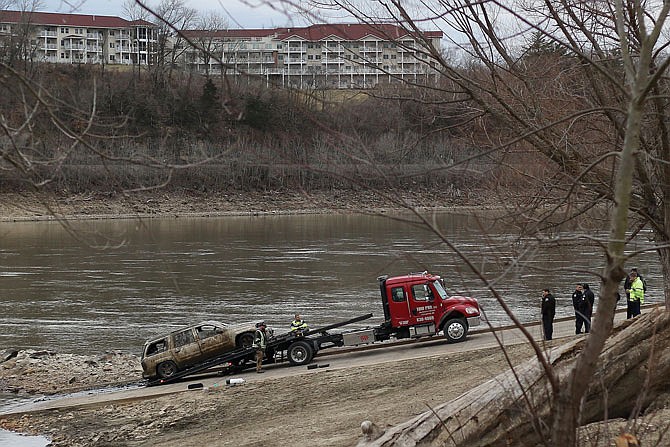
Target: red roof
344, 31
351, 31
195, 33
58, 19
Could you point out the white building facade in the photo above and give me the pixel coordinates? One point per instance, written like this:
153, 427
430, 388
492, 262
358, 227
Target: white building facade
318, 56
78, 38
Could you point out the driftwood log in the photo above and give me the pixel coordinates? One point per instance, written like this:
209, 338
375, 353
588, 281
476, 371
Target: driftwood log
507, 410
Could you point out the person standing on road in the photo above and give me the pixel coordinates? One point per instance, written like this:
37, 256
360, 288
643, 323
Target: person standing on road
589, 300
636, 293
578, 305
631, 306
260, 342
548, 314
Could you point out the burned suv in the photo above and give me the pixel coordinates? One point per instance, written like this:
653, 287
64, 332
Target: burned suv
165, 356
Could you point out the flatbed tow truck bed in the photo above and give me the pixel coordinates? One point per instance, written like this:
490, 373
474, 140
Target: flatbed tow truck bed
300, 348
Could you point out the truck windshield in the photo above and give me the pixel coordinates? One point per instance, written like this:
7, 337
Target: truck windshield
440, 290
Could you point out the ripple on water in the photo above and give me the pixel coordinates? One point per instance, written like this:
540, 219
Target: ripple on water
10, 438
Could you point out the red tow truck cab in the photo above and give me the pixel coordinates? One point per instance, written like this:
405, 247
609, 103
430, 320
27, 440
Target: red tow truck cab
417, 305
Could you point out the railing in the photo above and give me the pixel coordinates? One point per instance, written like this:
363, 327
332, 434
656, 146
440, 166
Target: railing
48, 34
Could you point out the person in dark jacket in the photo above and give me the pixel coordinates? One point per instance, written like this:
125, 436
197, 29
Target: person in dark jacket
548, 314
589, 300
578, 305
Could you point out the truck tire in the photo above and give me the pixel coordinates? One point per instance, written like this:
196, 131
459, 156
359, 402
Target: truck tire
245, 340
300, 353
167, 369
455, 330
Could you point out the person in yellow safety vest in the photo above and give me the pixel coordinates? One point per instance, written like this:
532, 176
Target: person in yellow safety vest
636, 293
260, 342
298, 325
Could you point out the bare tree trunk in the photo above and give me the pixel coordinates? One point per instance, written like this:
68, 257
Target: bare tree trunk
500, 412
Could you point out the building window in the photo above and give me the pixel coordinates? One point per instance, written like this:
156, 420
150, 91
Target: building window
65, 30
111, 57
111, 32
310, 57
111, 45
386, 56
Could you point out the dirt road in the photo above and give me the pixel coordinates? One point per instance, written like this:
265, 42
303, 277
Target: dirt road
325, 405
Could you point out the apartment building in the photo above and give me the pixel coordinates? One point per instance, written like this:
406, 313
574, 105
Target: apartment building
317, 56
77, 38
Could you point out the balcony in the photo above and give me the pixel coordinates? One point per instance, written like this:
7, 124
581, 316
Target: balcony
48, 34
94, 36
296, 50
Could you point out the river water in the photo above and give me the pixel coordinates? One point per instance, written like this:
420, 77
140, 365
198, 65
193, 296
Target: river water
145, 277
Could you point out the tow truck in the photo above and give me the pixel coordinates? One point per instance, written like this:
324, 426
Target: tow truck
415, 305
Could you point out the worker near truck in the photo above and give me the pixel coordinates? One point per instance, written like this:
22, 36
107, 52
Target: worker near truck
260, 342
298, 324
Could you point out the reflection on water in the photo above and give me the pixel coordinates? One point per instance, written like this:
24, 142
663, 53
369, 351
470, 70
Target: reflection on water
8, 438
155, 275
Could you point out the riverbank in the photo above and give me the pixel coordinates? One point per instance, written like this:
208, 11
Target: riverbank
31, 207
325, 406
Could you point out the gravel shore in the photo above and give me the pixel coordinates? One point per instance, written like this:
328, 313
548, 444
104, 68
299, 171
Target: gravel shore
27, 207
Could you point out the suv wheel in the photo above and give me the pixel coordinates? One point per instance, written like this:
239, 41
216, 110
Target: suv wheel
166, 369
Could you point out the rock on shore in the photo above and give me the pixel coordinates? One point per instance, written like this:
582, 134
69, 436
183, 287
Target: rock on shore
45, 372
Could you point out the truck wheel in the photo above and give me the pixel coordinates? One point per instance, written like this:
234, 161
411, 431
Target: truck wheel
166, 369
455, 330
245, 340
300, 353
